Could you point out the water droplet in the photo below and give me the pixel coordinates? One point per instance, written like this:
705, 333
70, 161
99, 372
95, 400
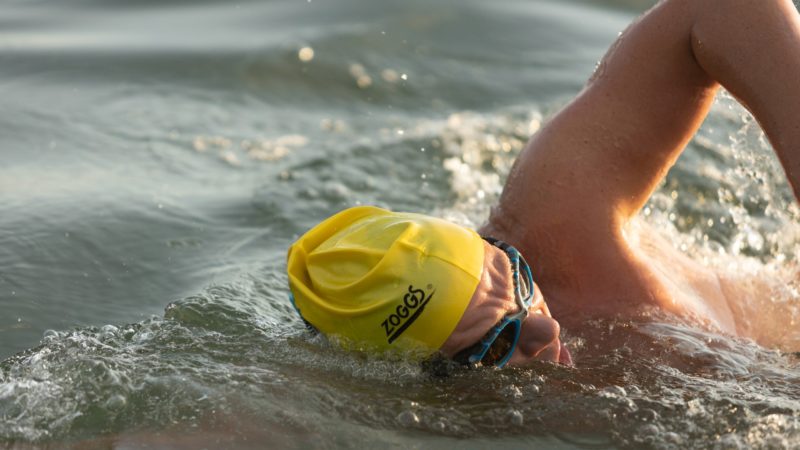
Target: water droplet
408, 418
364, 81
116, 402
534, 126
230, 158
50, 334
513, 392
356, 70
515, 417
613, 391
389, 76
305, 54
199, 144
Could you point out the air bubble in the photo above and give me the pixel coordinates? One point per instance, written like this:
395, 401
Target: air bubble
408, 418
515, 417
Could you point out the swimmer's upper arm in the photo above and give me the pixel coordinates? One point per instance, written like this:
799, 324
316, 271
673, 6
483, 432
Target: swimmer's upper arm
595, 163
598, 160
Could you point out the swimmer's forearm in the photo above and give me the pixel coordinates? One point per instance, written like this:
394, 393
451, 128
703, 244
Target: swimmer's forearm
752, 48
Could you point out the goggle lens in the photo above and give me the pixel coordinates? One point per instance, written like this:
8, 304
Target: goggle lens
503, 346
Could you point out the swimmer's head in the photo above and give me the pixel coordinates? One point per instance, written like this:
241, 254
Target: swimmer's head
385, 280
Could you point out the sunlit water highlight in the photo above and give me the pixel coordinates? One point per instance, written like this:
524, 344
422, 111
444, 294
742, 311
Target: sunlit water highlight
152, 178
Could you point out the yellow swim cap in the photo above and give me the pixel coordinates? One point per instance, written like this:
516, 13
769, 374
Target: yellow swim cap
384, 279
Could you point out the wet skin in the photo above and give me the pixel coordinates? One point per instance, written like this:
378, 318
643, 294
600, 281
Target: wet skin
569, 201
494, 299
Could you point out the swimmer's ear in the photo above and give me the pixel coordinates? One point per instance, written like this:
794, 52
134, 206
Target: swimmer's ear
439, 366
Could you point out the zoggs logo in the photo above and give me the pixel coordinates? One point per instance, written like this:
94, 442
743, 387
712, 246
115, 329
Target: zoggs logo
406, 312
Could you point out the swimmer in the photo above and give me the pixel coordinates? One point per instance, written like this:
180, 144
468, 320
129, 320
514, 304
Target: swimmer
558, 249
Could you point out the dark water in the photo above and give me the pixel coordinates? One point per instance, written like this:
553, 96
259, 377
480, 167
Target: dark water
156, 159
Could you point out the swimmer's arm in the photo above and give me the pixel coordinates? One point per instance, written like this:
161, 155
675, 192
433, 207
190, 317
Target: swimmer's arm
595, 163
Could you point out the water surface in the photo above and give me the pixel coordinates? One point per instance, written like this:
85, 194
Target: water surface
158, 157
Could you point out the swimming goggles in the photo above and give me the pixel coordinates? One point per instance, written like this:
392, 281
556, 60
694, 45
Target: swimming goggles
497, 346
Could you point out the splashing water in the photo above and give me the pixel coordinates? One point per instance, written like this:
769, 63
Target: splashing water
236, 360
235, 148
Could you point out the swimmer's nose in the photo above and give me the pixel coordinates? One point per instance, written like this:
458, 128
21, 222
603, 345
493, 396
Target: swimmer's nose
539, 338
